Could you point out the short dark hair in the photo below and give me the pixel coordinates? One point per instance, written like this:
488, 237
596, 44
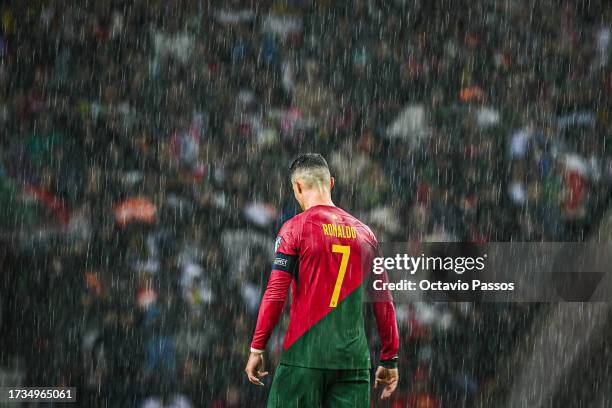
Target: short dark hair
312, 168
308, 161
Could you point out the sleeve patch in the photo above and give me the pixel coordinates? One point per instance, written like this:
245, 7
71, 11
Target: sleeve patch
279, 240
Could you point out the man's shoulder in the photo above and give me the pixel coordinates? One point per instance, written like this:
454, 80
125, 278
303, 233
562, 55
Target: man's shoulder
288, 235
357, 223
292, 225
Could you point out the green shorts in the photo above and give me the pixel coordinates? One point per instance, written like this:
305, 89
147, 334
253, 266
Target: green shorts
301, 387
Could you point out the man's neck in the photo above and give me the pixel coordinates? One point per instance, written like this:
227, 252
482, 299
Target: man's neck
317, 198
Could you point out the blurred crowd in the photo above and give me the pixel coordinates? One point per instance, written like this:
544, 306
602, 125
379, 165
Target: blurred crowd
144, 161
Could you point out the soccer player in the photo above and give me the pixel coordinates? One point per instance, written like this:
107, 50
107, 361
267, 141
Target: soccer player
325, 255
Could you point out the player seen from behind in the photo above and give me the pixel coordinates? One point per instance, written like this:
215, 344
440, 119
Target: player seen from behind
325, 255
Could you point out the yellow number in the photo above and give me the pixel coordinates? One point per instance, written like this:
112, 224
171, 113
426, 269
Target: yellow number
345, 250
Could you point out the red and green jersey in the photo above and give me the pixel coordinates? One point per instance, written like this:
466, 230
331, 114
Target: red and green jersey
325, 255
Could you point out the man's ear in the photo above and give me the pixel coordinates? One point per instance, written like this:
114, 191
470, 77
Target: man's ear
298, 187
332, 182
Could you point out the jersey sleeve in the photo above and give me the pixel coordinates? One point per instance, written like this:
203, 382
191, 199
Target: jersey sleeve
284, 268
270, 309
387, 330
386, 323
287, 239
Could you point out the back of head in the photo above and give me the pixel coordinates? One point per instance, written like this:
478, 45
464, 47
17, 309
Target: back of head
312, 171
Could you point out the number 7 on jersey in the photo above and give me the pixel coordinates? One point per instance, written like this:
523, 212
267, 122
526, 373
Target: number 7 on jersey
345, 250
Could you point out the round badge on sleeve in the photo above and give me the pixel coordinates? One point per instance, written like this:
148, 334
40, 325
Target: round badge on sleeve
278, 243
